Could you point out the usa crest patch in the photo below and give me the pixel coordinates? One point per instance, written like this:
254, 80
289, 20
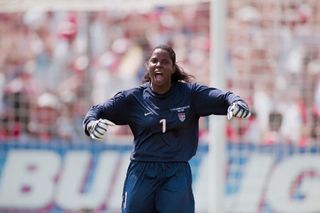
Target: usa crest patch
182, 116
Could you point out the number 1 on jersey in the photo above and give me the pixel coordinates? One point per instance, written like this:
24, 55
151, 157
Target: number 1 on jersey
164, 125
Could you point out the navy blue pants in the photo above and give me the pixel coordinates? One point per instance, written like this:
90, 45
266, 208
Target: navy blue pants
158, 187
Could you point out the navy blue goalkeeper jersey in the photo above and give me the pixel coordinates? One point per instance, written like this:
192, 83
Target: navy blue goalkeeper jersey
165, 126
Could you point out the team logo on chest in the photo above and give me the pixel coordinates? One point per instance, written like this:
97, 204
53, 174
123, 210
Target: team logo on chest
182, 116
181, 112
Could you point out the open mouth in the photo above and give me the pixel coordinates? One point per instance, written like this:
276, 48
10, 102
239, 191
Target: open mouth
158, 76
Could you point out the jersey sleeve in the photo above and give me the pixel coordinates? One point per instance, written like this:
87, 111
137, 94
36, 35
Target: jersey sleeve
114, 109
208, 100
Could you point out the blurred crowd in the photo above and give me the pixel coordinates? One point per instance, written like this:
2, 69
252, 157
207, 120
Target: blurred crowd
55, 64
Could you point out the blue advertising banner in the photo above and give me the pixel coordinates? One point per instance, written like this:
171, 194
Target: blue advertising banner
88, 177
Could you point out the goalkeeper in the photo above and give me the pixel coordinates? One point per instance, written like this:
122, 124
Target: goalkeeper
163, 114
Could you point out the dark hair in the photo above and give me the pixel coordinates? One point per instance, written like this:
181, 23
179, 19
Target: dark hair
178, 75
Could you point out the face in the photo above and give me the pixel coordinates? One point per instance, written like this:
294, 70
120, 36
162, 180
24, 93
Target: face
160, 68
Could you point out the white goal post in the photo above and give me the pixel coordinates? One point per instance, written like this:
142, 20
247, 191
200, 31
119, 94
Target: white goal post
92, 5
217, 139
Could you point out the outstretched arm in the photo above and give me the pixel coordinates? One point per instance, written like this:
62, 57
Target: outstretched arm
101, 116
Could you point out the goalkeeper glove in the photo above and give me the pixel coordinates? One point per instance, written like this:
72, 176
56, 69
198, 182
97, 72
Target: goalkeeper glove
98, 128
238, 109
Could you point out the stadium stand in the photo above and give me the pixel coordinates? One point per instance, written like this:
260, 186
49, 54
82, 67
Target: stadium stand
60, 62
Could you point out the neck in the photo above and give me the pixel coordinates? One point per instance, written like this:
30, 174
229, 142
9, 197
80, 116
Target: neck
160, 89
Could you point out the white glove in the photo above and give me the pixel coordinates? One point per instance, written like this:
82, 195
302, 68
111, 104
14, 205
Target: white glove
98, 128
238, 109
